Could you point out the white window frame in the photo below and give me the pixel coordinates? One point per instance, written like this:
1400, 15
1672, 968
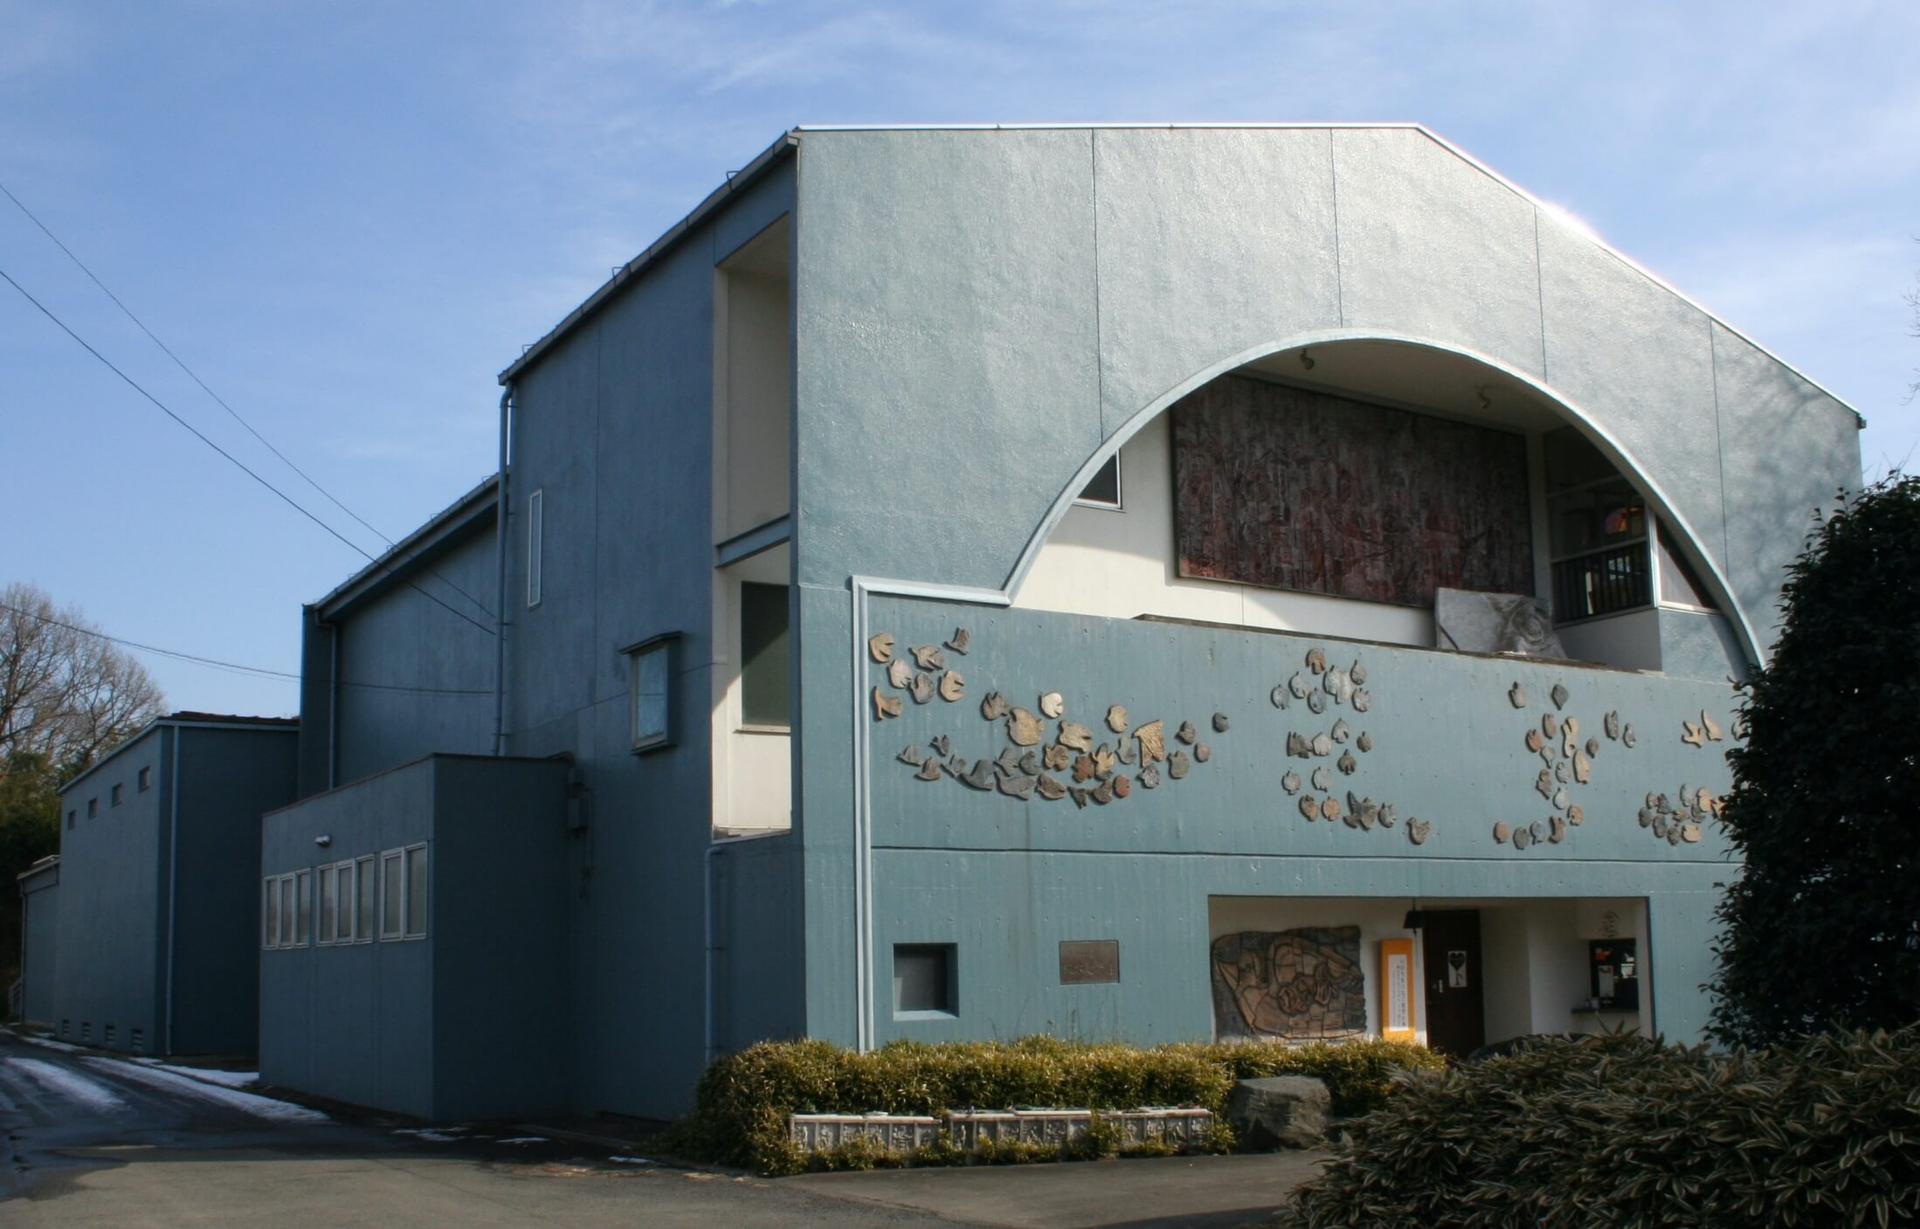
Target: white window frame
303, 894
366, 870
398, 930
666, 647
270, 913
406, 903
536, 536
1119, 503
326, 891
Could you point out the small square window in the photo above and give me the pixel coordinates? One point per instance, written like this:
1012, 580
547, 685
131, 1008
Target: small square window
114, 794
1103, 489
650, 691
923, 980
145, 780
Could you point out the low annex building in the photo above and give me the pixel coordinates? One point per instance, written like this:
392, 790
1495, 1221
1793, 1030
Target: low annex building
1120, 582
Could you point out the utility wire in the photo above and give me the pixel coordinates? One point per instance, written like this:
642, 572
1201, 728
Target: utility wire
235, 666
241, 465
217, 398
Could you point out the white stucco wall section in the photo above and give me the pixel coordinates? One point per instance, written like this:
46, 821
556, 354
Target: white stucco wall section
752, 767
1121, 565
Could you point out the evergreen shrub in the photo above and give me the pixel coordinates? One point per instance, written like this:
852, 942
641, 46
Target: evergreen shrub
1626, 1132
743, 1101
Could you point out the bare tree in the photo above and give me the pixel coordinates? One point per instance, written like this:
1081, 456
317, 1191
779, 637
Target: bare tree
66, 693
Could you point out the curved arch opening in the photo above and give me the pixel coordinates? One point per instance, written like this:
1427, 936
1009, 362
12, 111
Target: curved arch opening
1378, 470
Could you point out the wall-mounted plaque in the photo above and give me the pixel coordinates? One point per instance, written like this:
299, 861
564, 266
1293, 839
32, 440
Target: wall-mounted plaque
1397, 1018
1087, 962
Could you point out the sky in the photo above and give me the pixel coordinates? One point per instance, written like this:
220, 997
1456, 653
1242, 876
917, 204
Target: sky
348, 218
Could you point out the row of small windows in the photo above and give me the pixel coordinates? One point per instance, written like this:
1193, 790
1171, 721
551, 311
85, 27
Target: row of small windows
380, 896
115, 795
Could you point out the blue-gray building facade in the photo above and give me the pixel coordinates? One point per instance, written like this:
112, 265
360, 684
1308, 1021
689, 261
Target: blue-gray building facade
883, 714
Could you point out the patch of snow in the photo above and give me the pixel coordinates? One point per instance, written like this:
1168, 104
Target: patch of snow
69, 1084
632, 1160
526, 1139
206, 1075
233, 1098
438, 1137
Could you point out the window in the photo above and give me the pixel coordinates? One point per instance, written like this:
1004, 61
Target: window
114, 795
329, 885
144, 781
302, 907
343, 904
366, 893
392, 895
71, 817
536, 530
764, 678
1597, 532
93, 807
286, 911
416, 891
1103, 489
650, 694
1679, 583
270, 912
923, 980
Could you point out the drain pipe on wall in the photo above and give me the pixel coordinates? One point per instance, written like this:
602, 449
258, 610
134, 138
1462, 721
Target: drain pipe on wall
500, 594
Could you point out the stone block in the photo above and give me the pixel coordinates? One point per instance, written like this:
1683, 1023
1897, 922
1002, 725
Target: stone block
1283, 1111
1180, 1128
900, 1133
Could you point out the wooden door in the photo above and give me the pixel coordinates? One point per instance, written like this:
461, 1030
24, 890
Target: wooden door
1456, 1012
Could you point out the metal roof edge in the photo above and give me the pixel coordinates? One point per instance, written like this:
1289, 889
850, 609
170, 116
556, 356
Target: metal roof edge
668, 239
184, 720
403, 555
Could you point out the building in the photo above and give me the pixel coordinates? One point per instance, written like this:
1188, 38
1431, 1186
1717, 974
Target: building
143, 934
977, 582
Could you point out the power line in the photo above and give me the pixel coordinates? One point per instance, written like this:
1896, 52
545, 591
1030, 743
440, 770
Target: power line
217, 398
237, 462
237, 667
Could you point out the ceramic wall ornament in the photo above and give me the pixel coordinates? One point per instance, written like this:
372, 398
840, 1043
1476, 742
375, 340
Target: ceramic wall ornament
1364, 742
1017, 786
1389, 815
1550, 725
1102, 793
1561, 772
1049, 789
912, 755
1544, 783
1186, 733
1560, 799
1317, 702
961, 639
1008, 760
1202, 753
1220, 723
1501, 832
1178, 765
1322, 745
980, 776
1517, 696
1322, 779
899, 673
1024, 728
1330, 808
1593, 748
1122, 786
1357, 672
1627, 738
1117, 719
1128, 753
1104, 760
1316, 661
993, 706
1083, 770
1030, 764
1290, 782
1153, 741
1711, 727
1346, 763
1336, 685
880, 647
1052, 705
1079, 737
1559, 694
929, 771
1549, 754
1057, 758
1694, 736
1611, 725
1557, 830
942, 746
1079, 797
1690, 833
1149, 777
929, 657
953, 688
1582, 767
1362, 700
1522, 838
1535, 740
956, 767
1341, 731
885, 706
1299, 745
1310, 807
921, 689
1278, 696
1418, 830
1575, 815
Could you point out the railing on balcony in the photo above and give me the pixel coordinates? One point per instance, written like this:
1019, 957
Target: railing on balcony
1602, 582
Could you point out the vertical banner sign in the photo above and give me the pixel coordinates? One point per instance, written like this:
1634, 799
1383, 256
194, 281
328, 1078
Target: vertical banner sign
1396, 990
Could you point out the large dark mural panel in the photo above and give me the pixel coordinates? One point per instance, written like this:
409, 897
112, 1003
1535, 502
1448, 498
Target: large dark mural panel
1292, 985
1293, 489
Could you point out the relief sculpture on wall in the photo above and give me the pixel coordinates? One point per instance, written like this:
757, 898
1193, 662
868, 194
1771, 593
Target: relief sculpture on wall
1289, 985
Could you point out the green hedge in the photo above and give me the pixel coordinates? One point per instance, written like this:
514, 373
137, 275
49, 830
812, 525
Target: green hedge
741, 1108
1620, 1131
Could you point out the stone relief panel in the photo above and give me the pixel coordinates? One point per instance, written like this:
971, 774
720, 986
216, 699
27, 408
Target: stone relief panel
1289, 985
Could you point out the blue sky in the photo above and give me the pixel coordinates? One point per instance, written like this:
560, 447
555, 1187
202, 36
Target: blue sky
348, 217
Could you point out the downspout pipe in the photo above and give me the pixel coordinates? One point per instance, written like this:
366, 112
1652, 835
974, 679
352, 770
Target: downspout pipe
173, 884
500, 595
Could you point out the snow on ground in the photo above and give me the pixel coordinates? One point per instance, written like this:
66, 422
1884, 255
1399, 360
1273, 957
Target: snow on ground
427, 1133
525, 1139
69, 1084
206, 1075
246, 1102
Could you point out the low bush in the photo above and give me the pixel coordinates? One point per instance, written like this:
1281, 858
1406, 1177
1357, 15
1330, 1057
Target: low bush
743, 1101
1621, 1131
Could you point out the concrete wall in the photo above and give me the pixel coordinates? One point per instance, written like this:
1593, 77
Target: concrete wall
39, 944
757, 904
112, 898
228, 779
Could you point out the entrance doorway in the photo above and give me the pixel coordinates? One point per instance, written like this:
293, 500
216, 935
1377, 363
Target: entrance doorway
1456, 1011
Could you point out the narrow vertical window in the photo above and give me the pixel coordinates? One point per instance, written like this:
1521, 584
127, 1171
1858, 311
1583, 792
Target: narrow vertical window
366, 893
115, 794
764, 681
649, 691
270, 925
146, 779
536, 526
343, 910
417, 891
302, 907
392, 892
329, 883
286, 911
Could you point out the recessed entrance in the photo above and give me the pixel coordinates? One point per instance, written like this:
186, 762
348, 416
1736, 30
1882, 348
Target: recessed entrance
1456, 1010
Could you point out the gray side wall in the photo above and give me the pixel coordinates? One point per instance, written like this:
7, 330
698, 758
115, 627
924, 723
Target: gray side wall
614, 425
39, 945
499, 881
759, 987
228, 779
112, 902
351, 1022
401, 640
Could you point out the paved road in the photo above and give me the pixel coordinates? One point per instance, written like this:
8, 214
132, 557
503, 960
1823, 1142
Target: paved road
88, 1140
